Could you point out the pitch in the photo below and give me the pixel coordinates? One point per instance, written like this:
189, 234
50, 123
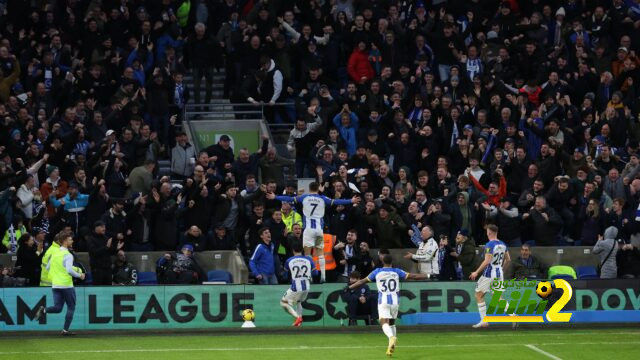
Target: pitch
477, 345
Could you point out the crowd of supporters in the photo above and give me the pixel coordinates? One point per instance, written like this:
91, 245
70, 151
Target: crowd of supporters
452, 114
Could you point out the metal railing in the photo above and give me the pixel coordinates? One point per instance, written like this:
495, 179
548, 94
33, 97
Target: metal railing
235, 111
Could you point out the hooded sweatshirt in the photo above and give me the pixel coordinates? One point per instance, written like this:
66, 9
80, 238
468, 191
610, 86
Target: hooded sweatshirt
606, 249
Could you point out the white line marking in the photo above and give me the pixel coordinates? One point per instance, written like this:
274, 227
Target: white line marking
528, 333
297, 348
540, 351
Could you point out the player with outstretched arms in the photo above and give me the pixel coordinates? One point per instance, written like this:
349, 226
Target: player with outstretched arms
496, 258
313, 206
387, 280
300, 268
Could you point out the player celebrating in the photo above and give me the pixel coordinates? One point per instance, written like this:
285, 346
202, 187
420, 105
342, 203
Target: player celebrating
300, 268
313, 205
496, 258
387, 280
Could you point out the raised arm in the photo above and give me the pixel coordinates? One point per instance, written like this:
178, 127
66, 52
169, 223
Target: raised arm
487, 260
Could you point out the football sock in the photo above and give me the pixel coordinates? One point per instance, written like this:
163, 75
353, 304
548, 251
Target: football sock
393, 329
386, 329
482, 308
299, 306
288, 308
323, 270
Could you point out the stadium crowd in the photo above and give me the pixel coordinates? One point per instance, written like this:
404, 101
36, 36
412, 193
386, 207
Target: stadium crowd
452, 114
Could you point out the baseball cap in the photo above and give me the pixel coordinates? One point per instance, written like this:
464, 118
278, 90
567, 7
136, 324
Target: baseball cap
110, 132
622, 48
98, 223
372, 132
468, 127
464, 232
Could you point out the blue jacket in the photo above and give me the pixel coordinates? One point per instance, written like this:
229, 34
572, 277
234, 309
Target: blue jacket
349, 133
263, 261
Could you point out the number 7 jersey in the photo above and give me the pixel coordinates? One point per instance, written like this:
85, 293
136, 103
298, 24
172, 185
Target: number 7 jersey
388, 283
300, 268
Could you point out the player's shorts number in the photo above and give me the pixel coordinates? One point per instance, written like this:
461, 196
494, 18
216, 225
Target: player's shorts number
389, 285
300, 271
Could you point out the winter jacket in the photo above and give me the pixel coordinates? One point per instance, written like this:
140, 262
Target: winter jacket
299, 142
99, 253
359, 66
608, 268
529, 269
74, 210
180, 159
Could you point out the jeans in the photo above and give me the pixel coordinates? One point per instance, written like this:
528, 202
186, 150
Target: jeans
303, 164
269, 279
60, 297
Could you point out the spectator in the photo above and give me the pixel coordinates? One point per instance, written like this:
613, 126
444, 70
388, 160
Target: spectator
141, 178
248, 164
592, 223
101, 249
543, 221
122, 271
163, 209
301, 138
115, 221
347, 255
221, 154
194, 237
527, 266
222, 240
607, 248
199, 56
183, 157
388, 227
180, 268
29, 258
427, 254
446, 260
465, 255
272, 167
628, 260
262, 263
15, 231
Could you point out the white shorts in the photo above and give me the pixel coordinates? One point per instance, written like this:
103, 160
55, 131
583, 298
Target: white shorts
294, 297
386, 311
313, 238
484, 284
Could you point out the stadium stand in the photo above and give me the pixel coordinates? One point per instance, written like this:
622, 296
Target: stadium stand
453, 114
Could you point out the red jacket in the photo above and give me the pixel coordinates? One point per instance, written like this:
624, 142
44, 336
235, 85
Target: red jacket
359, 65
491, 199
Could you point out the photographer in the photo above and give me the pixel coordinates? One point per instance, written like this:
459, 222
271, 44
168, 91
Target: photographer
360, 302
122, 271
180, 268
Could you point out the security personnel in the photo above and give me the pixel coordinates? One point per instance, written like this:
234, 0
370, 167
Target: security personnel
45, 278
61, 272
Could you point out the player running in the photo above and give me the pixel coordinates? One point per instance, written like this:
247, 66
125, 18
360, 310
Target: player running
313, 205
387, 280
300, 268
496, 258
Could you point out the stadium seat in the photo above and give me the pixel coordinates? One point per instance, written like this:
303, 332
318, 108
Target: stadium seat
587, 272
562, 276
147, 278
562, 272
219, 276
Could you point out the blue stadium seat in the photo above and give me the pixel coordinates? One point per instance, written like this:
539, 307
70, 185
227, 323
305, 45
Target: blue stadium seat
147, 278
587, 272
220, 276
562, 276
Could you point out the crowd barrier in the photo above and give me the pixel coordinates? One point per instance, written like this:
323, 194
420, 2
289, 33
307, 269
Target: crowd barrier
219, 306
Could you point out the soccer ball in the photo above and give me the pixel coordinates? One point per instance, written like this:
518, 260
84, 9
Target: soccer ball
544, 289
248, 315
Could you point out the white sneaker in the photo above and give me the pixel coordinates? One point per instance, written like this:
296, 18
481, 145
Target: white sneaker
481, 325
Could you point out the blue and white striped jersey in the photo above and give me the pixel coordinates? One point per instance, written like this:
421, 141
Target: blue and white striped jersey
300, 267
388, 283
313, 206
497, 249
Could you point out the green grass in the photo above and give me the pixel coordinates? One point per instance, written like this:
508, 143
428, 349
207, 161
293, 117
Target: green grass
609, 344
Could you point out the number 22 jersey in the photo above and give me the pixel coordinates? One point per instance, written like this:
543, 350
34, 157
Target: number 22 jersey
388, 283
300, 268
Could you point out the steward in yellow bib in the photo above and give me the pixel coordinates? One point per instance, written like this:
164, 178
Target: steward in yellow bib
61, 273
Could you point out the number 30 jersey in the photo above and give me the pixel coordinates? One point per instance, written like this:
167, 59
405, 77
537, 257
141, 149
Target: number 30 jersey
497, 249
300, 268
388, 283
